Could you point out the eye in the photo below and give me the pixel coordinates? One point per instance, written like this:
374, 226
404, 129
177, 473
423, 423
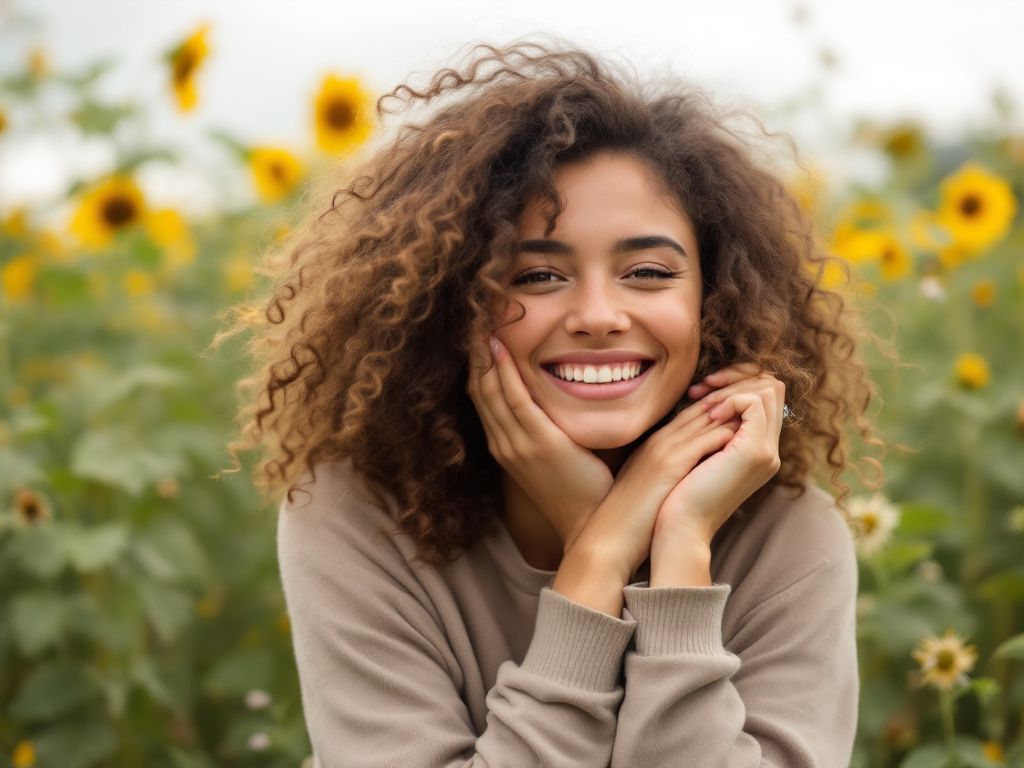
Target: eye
525, 279
657, 274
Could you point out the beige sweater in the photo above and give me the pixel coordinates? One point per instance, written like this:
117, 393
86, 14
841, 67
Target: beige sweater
480, 663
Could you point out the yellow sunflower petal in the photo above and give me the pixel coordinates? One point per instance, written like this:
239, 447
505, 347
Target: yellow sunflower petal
275, 172
342, 112
977, 207
185, 62
106, 209
972, 371
18, 277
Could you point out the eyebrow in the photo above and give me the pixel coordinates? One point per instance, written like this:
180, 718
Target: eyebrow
625, 245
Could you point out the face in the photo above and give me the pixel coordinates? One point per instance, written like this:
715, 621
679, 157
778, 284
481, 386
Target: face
617, 280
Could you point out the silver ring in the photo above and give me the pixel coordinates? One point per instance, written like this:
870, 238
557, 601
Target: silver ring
786, 413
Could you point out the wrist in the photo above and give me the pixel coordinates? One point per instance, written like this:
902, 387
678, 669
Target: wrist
682, 561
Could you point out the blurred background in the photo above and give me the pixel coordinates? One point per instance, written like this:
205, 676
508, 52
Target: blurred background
149, 152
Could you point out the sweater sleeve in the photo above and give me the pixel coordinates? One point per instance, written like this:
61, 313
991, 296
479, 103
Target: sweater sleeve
381, 687
786, 698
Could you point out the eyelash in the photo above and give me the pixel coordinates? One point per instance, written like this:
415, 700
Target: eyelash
661, 275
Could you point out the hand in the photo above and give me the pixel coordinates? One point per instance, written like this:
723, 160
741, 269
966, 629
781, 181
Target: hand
622, 527
565, 480
699, 505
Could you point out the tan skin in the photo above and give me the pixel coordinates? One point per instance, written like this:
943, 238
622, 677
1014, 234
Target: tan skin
567, 475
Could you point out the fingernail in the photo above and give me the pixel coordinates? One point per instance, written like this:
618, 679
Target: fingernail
495, 346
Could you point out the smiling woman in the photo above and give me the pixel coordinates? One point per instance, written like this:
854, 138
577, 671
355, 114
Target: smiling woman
604, 542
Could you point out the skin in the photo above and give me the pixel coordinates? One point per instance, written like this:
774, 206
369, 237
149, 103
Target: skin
563, 457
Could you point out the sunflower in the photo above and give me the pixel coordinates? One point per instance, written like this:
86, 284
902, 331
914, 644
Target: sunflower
30, 508
945, 661
863, 231
972, 371
18, 277
185, 61
3, 120
109, 207
168, 229
38, 62
275, 172
894, 257
342, 114
872, 521
983, 293
977, 207
24, 755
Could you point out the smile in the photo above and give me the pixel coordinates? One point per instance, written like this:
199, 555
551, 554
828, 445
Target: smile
600, 391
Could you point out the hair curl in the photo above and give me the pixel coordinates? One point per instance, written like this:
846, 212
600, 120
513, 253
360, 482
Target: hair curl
362, 346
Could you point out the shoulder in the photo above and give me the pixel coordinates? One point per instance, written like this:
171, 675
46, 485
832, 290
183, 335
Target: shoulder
329, 522
789, 536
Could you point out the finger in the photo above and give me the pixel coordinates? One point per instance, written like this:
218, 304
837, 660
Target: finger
520, 410
732, 373
750, 408
749, 384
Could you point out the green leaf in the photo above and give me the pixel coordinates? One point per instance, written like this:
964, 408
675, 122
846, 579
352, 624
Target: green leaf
93, 548
168, 551
89, 76
240, 672
117, 458
53, 690
1011, 649
233, 145
1004, 586
922, 519
927, 756
96, 118
169, 610
19, 471
40, 550
37, 621
899, 556
79, 743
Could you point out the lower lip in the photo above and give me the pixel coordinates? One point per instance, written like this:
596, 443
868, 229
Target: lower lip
605, 391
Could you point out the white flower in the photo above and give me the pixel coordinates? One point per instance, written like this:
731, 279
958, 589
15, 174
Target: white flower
257, 699
872, 521
259, 741
932, 288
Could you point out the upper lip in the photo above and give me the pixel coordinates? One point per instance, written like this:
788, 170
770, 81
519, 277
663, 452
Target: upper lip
606, 357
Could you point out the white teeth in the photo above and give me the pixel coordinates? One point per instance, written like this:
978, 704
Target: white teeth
591, 374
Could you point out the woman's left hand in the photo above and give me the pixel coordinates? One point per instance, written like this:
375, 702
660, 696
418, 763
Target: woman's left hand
703, 500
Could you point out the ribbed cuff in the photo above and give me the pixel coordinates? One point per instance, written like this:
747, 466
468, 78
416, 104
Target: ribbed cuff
675, 620
577, 645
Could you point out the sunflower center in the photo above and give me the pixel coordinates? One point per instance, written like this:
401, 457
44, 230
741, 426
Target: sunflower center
869, 522
183, 66
970, 205
30, 509
277, 171
945, 660
118, 211
339, 114
888, 255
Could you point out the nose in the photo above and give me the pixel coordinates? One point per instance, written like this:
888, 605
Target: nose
596, 309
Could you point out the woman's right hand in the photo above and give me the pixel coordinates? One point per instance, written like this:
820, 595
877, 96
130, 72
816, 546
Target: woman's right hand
621, 529
566, 481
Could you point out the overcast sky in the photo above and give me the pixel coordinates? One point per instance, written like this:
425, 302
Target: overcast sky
927, 59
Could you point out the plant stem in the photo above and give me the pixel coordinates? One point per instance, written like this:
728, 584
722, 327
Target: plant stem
949, 727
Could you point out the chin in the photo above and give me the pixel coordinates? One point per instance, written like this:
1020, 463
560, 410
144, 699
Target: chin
597, 438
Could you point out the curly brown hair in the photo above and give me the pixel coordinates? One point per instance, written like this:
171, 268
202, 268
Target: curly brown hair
362, 347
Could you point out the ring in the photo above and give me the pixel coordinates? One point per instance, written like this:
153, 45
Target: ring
786, 412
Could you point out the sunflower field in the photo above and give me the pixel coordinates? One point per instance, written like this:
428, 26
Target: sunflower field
141, 616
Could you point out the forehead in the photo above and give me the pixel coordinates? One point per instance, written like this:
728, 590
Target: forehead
612, 194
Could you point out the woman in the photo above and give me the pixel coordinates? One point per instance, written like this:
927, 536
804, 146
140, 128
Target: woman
486, 563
